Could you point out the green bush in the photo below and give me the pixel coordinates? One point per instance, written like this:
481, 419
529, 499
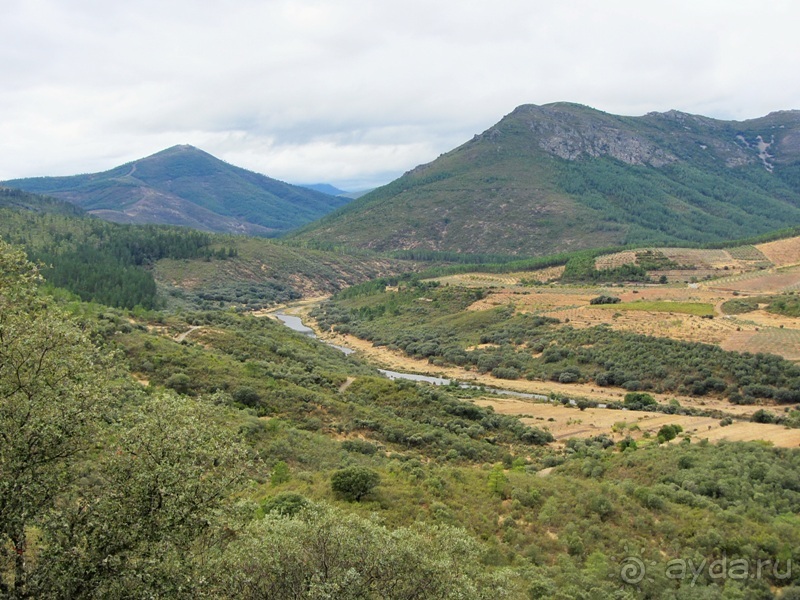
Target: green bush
354, 483
285, 504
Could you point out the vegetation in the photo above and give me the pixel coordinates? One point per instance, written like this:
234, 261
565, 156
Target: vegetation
700, 309
156, 266
162, 493
209, 194
100, 261
518, 189
783, 304
427, 321
353, 483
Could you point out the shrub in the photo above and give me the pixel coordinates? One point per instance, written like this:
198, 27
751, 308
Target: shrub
360, 446
668, 433
246, 396
762, 416
567, 377
354, 483
505, 373
179, 382
638, 400
285, 504
280, 473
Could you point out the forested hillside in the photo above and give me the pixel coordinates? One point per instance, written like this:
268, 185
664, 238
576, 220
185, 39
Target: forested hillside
561, 177
185, 186
153, 266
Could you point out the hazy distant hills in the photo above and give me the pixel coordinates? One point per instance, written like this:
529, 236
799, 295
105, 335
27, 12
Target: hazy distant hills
325, 188
186, 186
563, 176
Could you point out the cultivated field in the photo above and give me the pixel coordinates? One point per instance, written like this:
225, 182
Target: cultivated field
782, 253
686, 308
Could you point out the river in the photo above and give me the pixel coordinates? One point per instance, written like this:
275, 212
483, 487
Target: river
296, 324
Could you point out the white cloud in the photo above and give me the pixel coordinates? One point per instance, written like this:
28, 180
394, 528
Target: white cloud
355, 92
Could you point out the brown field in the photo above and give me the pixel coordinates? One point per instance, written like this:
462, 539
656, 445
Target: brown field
782, 253
757, 331
478, 279
569, 422
759, 282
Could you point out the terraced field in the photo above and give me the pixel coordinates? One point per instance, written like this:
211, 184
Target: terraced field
759, 282
687, 308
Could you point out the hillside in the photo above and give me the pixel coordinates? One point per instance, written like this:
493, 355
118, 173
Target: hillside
156, 265
219, 455
562, 177
186, 186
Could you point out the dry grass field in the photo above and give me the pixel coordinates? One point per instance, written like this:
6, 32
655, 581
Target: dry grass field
738, 272
566, 422
782, 253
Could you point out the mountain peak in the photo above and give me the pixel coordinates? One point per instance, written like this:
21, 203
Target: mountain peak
183, 185
564, 176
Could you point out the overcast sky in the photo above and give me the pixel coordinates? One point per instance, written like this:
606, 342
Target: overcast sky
354, 92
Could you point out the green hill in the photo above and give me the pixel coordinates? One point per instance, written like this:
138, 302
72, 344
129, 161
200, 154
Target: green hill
186, 186
562, 177
156, 265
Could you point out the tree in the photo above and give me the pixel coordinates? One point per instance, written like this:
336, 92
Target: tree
353, 483
280, 473
155, 506
51, 397
323, 552
498, 481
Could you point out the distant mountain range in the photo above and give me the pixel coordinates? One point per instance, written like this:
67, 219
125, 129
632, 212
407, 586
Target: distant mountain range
325, 188
563, 176
186, 186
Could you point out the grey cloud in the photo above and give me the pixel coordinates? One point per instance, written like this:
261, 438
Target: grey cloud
354, 91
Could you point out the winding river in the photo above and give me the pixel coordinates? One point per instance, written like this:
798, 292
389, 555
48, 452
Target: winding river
296, 324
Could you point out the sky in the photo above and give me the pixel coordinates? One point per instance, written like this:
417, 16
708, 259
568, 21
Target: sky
356, 92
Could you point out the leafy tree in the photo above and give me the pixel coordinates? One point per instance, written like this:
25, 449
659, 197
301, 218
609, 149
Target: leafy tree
326, 553
353, 483
247, 396
153, 509
51, 396
668, 433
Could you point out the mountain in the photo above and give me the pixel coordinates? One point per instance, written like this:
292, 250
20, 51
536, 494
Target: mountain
562, 177
186, 186
325, 188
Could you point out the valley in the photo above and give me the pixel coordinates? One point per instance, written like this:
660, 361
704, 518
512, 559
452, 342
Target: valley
617, 367
566, 420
